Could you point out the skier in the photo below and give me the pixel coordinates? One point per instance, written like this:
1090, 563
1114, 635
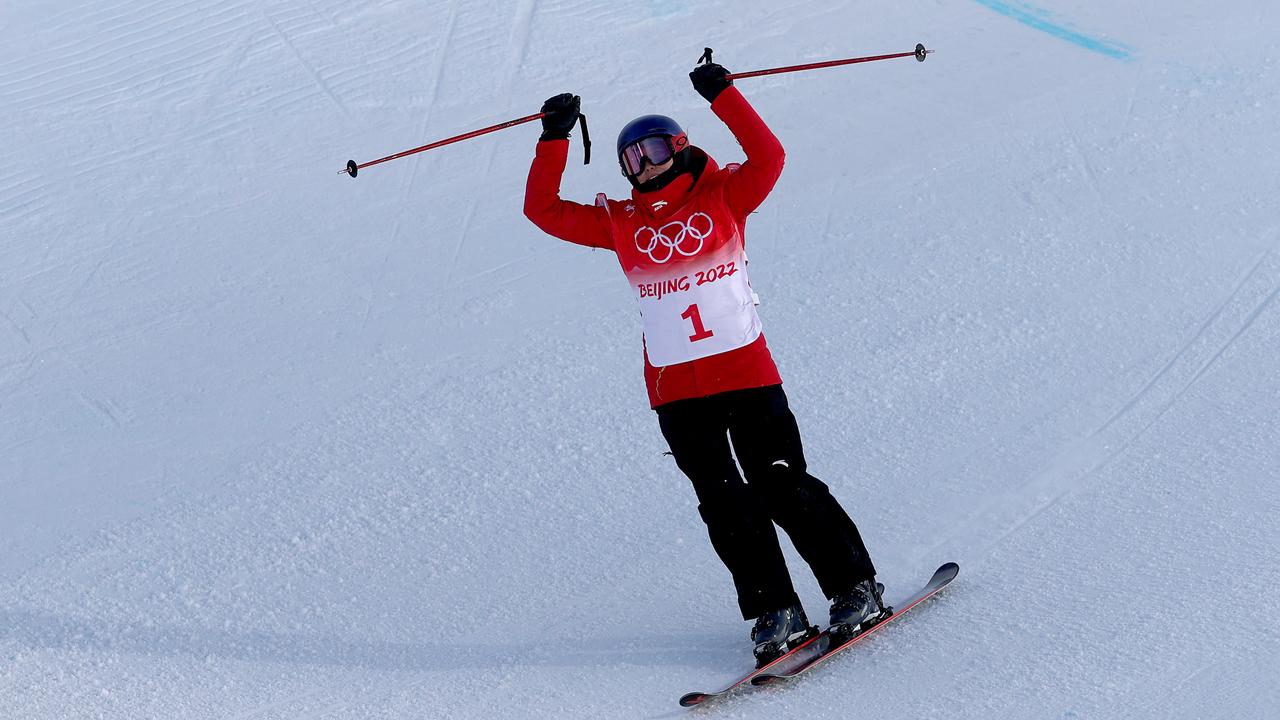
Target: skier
710, 376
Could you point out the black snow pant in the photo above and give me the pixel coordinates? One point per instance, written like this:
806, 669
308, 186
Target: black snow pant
740, 515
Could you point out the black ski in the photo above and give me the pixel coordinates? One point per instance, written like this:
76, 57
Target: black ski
697, 698
802, 654
824, 650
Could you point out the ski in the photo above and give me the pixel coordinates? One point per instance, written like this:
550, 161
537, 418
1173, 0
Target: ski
697, 698
824, 651
803, 653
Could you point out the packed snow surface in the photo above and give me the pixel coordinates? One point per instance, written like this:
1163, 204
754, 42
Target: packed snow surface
276, 443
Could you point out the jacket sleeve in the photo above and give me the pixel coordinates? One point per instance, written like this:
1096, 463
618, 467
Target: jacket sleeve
577, 223
748, 187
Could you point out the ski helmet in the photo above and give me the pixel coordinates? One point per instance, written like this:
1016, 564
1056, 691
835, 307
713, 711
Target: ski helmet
634, 152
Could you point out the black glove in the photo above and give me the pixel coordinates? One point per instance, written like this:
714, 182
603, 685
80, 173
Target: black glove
710, 80
561, 114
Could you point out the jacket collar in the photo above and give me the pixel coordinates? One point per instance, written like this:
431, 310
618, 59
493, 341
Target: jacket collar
662, 203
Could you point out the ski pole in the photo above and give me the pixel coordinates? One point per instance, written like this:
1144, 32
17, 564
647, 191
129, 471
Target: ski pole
920, 53
352, 168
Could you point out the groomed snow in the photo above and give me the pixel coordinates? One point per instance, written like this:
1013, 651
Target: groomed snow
275, 443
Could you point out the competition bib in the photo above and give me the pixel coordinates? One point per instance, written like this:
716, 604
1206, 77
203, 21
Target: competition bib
690, 278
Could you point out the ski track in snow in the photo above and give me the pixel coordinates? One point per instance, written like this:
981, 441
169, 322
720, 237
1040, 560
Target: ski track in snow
1070, 472
275, 443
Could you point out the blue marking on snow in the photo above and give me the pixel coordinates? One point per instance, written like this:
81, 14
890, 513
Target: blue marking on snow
667, 8
1042, 20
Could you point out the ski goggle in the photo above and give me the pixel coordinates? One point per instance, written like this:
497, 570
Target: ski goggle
653, 150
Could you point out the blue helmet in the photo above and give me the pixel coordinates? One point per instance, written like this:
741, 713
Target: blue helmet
634, 152
647, 126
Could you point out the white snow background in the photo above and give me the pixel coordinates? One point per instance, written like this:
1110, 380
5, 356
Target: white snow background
276, 443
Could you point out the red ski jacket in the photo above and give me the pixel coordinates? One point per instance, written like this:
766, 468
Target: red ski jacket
730, 194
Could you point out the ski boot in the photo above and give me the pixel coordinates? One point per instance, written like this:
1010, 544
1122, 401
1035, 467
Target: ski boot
857, 610
778, 631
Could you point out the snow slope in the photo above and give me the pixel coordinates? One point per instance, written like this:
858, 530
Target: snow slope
275, 443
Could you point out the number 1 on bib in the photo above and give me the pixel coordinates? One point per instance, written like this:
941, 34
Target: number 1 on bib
699, 332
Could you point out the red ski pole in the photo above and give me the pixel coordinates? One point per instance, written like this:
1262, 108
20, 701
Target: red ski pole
919, 54
352, 168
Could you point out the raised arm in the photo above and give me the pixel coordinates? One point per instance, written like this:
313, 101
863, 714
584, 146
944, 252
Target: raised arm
577, 223
750, 185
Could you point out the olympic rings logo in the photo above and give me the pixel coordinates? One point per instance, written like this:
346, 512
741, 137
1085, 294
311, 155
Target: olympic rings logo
675, 237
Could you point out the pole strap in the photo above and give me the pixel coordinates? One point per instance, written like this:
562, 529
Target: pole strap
586, 139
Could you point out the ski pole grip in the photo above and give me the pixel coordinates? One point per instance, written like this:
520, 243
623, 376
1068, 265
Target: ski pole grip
586, 139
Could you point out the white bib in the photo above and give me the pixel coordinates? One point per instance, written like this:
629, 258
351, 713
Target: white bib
694, 296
